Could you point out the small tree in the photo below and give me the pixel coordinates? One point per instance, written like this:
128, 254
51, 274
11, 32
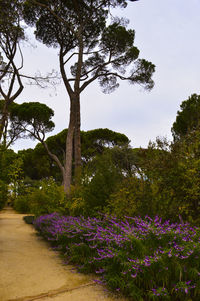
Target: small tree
91, 50
15, 174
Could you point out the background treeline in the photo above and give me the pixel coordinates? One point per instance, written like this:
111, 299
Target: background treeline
163, 179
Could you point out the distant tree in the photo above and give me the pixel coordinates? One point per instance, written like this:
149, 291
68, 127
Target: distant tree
34, 118
37, 163
91, 50
12, 131
97, 141
27, 120
125, 158
188, 118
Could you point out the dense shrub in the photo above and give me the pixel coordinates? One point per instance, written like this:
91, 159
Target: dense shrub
3, 194
22, 204
100, 181
143, 259
47, 198
29, 219
75, 203
131, 197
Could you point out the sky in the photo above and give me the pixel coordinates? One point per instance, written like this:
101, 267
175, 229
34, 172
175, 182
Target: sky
167, 34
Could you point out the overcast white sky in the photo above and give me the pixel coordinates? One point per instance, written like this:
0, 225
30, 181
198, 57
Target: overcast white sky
167, 34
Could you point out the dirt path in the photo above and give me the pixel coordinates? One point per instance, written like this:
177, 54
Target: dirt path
30, 270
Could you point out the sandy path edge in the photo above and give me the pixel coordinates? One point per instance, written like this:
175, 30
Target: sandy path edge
30, 270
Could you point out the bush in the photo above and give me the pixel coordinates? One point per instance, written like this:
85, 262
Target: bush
47, 199
75, 203
3, 194
130, 198
22, 204
29, 219
103, 178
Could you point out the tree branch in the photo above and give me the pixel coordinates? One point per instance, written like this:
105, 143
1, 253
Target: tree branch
63, 73
99, 68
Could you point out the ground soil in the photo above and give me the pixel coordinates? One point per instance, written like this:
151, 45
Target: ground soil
31, 270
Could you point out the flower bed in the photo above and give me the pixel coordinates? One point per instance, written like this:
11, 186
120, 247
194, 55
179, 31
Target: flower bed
143, 259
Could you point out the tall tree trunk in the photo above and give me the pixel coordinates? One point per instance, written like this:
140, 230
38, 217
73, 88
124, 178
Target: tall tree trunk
73, 140
73, 145
77, 144
69, 146
3, 120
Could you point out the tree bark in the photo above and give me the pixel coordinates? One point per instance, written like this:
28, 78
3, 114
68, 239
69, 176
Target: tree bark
73, 145
3, 120
73, 140
77, 144
69, 147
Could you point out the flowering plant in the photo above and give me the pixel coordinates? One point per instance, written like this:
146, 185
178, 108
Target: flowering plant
143, 259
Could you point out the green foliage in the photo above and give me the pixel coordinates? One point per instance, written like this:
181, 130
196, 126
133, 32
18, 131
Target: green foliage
22, 203
188, 150
57, 24
162, 179
38, 165
159, 293
31, 119
103, 176
29, 219
11, 175
3, 194
7, 157
123, 39
188, 117
48, 198
75, 204
130, 197
34, 113
159, 174
9, 20
96, 141
123, 181
92, 51
11, 34
15, 174
143, 259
